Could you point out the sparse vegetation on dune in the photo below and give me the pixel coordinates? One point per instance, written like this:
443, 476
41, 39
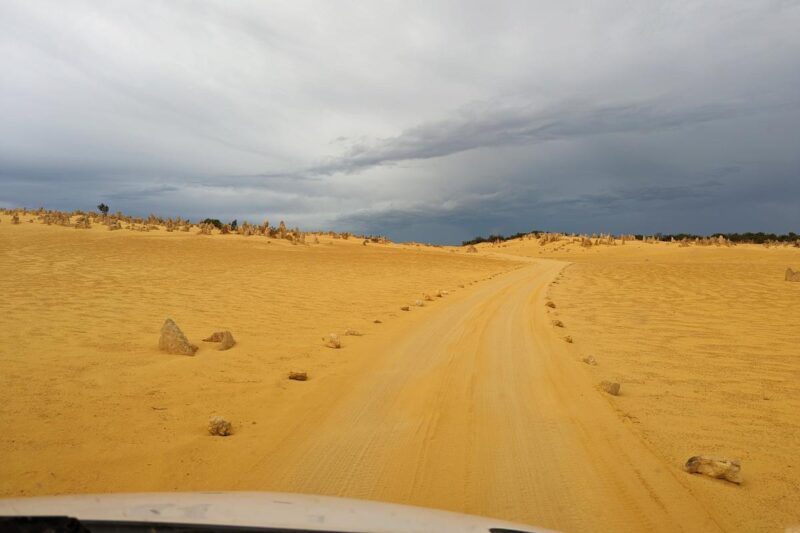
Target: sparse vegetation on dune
759, 237
684, 239
79, 219
500, 238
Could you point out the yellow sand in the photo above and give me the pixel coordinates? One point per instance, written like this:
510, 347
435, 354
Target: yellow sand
472, 403
704, 341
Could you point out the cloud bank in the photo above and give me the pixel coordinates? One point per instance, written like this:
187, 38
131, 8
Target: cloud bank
425, 122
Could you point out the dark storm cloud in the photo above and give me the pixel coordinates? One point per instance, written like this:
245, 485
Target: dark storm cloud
502, 209
486, 125
429, 121
141, 194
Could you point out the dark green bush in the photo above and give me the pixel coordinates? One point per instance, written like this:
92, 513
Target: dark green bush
214, 222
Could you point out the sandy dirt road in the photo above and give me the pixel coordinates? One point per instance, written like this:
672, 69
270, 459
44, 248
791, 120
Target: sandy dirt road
482, 408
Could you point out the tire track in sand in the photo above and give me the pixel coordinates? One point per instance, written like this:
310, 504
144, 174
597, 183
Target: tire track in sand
483, 409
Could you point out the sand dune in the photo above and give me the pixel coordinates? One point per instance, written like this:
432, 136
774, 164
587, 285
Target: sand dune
95, 406
472, 403
704, 342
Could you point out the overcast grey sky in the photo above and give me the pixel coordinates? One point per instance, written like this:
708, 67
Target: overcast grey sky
421, 120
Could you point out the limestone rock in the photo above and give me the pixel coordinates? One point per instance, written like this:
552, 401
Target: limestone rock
214, 337
83, 223
611, 387
173, 340
225, 338
353, 333
568, 339
791, 275
405, 308
590, 360
227, 341
558, 323
219, 426
551, 305
716, 467
298, 376
332, 341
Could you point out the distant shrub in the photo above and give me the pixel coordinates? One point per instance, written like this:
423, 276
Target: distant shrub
214, 222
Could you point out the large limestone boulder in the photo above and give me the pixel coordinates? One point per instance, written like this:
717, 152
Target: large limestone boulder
173, 340
716, 467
